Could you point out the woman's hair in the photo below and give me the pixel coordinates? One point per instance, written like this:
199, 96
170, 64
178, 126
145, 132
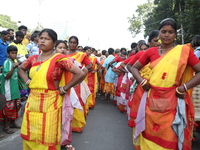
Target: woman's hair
51, 33
74, 37
11, 48
168, 21
80, 46
153, 34
133, 45
122, 49
60, 41
124, 53
103, 52
86, 48
195, 41
143, 44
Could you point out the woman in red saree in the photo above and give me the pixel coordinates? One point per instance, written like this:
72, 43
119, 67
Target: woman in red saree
79, 121
41, 126
167, 93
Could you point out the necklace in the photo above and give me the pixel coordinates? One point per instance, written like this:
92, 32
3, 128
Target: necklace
40, 60
161, 49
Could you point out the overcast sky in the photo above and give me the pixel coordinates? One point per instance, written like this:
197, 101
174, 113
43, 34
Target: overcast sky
98, 23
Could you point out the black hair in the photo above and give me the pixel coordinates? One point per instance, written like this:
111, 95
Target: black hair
80, 46
93, 49
11, 48
168, 21
4, 32
103, 52
86, 48
195, 41
117, 51
51, 33
133, 45
110, 51
74, 37
60, 41
122, 49
19, 33
22, 27
153, 34
10, 30
34, 35
143, 44
124, 53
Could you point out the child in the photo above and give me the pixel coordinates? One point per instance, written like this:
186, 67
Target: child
10, 88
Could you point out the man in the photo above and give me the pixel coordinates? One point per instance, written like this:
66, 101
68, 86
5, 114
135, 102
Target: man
24, 29
3, 46
11, 32
110, 75
22, 52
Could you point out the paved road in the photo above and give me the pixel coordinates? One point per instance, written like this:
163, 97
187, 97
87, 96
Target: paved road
106, 129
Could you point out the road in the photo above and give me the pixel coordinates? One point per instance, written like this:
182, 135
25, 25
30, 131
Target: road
106, 129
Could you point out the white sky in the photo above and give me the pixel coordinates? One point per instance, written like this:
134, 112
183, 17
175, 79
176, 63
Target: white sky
98, 23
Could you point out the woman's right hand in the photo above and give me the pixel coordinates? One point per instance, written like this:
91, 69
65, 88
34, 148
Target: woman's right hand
146, 87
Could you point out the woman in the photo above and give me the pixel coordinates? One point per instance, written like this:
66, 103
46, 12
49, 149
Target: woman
41, 126
79, 122
91, 78
171, 78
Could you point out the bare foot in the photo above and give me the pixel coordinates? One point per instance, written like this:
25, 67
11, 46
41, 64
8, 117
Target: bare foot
70, 147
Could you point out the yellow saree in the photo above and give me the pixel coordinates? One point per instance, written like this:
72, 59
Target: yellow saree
167, 73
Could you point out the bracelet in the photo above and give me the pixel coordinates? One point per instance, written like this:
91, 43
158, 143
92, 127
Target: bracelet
179, 91
185, 87
27, 82
62, 89
145, 82
142, 81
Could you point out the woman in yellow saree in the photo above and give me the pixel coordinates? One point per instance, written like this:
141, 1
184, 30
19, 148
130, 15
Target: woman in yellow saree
79, 122
168, 98
41, 126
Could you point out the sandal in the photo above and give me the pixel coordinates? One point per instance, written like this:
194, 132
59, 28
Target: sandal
8, 130
14, 125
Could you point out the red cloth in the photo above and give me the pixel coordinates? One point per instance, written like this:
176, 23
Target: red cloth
128, 59
86, 61
118, 59
152, 54
136, 57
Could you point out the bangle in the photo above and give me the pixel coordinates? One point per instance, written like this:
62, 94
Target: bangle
145, 82
185, 87
27, 82
142, 81
179, 91
62, 89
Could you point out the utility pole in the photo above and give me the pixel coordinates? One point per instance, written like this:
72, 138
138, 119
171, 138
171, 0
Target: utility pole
182, 34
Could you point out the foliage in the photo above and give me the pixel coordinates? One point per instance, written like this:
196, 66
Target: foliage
185, 12
6, 22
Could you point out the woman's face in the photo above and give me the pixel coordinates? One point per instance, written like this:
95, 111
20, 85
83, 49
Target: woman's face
61, 48
73, 44
123, 56
88, 51
154, 42
167, 34
143, 47
45, 42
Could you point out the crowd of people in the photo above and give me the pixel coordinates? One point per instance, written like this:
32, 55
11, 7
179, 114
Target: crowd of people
58, 81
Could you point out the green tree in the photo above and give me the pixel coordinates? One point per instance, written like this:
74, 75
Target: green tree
185, 12
6, 22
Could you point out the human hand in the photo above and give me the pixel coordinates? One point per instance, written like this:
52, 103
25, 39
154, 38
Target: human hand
146, 87
180, 92
16, 64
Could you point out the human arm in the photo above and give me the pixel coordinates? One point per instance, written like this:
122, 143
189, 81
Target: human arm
9, 74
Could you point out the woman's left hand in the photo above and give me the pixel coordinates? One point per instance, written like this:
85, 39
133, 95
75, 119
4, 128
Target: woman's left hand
61, 92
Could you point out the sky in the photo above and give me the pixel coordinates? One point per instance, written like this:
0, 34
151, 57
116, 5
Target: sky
98, 23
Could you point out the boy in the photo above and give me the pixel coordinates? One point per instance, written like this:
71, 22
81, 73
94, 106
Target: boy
10, 88
18, 43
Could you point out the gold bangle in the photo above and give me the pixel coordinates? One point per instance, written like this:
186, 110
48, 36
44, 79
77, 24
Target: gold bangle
179, 91
145, 82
